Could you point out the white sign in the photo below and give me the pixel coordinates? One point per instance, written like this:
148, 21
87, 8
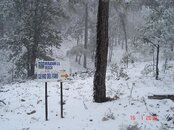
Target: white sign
50, 71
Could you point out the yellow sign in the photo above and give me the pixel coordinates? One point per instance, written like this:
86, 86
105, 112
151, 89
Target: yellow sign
64, 75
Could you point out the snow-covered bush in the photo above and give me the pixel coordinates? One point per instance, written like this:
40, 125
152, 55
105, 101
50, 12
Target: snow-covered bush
148, 70
118, 72
115, 70
130, 57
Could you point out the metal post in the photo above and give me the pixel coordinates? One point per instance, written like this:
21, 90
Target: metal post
46, 103
61, 99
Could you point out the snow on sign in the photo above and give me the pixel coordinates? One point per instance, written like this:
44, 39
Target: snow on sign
48, 71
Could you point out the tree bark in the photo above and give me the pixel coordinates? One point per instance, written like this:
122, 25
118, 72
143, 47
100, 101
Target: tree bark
101, 52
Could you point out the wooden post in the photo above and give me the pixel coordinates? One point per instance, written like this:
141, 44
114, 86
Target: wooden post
61, 99
157, 61
46, 103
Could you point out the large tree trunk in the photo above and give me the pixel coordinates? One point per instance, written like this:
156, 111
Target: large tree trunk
101, 52
86, 34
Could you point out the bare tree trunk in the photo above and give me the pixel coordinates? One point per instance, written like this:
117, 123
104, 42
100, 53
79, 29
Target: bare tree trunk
165, 65
157, 57
115, 42
36, 40
101, 52
12, 73
172, 47
51, 50
93, 56
1, 26
118, 37
79, 59
76, 59
33, 61
111, 50
157, 61
28, 62
125, 36
122, 44
123, 22
86, 34
153, 59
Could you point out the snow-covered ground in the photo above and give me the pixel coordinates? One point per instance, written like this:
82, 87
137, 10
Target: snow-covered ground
25, 104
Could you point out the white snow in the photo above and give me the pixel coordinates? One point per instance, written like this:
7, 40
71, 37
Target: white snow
80, 112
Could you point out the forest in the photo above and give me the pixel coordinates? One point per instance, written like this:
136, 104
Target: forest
115, 62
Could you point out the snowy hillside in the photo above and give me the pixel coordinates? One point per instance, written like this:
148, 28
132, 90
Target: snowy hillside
24, 104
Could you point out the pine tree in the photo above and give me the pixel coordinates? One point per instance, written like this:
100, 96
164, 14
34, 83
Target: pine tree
35, 31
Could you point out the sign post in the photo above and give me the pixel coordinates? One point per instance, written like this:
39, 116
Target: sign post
64, 76
51, 71
46, 102
61, 99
